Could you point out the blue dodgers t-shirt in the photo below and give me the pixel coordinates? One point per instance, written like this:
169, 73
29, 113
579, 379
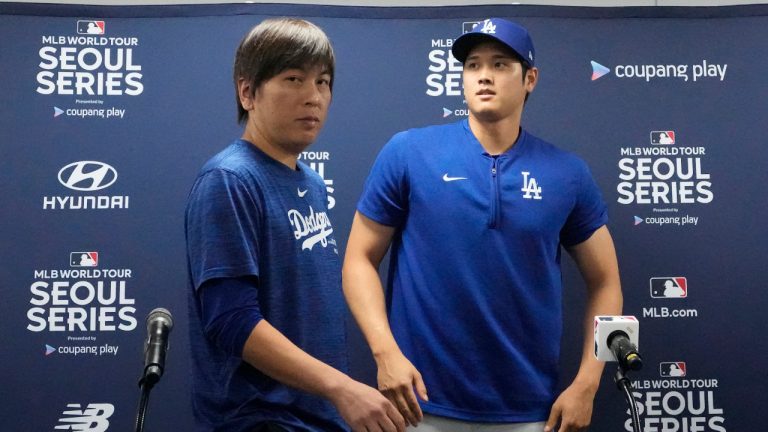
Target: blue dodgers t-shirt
474, 289
249, 215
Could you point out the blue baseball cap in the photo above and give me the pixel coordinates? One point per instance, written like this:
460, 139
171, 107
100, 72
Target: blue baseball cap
508, 33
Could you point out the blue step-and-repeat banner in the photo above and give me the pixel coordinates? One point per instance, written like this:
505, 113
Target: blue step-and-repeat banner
667, 105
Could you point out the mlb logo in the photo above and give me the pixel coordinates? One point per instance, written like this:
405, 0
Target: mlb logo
83, 259
90, 27
467, 27
669, 287
663, 137
672, 369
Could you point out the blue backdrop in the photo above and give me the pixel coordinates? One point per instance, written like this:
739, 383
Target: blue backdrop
108, 113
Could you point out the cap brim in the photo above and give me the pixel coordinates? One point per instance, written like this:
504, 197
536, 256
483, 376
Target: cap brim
464, 44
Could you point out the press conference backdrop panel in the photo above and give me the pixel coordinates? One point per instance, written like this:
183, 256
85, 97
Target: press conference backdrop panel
108, 113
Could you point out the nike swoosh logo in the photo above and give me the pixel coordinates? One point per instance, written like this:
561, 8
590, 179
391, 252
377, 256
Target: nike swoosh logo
301, 192
450, 179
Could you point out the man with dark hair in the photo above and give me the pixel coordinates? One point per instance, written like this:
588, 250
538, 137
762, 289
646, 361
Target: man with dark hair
476, 213
266, 310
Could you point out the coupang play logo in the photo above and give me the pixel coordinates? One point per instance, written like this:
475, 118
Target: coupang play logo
705, 70
598, 70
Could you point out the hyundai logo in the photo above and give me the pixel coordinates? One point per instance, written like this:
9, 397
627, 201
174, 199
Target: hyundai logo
87, 175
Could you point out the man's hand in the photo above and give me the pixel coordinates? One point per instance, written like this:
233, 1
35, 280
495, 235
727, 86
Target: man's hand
397, 378
573, 409
365, 409
361, 406
596, 259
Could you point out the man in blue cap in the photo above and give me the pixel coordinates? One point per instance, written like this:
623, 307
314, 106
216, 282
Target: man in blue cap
476, 213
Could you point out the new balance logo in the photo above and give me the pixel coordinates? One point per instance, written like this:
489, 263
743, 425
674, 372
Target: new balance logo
91, 419
488, 27
530, 187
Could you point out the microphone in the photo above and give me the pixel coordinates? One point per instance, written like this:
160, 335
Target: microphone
159, 325
616, 339
625, 351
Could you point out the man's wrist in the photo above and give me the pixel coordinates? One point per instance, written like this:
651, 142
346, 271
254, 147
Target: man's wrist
334, 385
587, 383
383, 347
383, 353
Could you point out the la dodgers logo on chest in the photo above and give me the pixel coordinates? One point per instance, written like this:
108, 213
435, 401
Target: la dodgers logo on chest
530, 187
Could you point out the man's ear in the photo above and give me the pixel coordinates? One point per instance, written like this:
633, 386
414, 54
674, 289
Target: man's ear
245, 93
531, 79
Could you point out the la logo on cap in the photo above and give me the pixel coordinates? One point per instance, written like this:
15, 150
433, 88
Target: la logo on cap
488, 27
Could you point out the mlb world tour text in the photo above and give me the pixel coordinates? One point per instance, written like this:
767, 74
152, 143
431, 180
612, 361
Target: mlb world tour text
663, 180
81, 305
691, 407
105, 66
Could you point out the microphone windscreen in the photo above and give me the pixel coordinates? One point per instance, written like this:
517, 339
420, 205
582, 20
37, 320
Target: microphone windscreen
161, 314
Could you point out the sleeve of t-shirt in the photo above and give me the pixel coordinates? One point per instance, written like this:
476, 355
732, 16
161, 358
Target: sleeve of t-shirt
230, 310
385, 194
589, 212
222, 222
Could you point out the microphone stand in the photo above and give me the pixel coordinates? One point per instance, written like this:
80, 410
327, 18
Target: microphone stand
159, 325
146, 383
625, 385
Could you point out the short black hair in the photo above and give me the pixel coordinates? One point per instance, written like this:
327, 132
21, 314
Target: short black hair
275, 45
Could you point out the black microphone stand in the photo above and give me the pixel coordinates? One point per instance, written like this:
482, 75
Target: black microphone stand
159, 325
625, 385
146, 383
